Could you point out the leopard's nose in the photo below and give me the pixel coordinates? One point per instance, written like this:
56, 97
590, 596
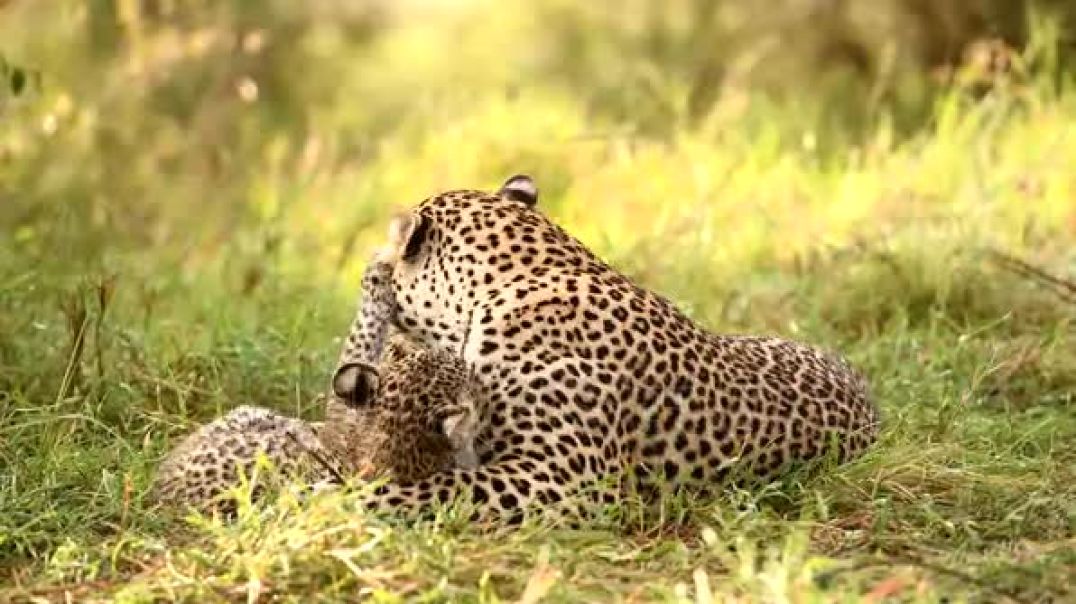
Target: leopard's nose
367, 471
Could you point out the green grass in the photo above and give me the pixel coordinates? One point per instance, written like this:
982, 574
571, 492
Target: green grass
156, 272
969, 493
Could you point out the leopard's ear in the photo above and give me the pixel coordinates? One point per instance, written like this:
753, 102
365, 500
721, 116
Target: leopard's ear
520, 188
407, 233
355, 384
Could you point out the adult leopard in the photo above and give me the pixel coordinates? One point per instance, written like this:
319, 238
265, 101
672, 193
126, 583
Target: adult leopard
587, 375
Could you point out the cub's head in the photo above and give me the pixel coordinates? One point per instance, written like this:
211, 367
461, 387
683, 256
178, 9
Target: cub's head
418, 409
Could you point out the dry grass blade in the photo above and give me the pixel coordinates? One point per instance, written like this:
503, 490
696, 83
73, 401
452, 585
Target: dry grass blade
1063, 288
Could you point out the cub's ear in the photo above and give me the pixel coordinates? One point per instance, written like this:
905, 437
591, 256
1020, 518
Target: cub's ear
520, 188
355, 384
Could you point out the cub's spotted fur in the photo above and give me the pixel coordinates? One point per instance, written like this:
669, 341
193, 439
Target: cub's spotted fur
411, 417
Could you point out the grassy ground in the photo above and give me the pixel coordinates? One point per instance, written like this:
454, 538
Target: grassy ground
941, 263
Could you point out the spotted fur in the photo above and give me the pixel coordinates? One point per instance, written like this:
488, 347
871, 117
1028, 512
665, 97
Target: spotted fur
415, 415
587, 376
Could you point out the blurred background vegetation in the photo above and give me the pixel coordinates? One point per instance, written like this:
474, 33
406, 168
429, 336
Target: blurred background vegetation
285, 129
